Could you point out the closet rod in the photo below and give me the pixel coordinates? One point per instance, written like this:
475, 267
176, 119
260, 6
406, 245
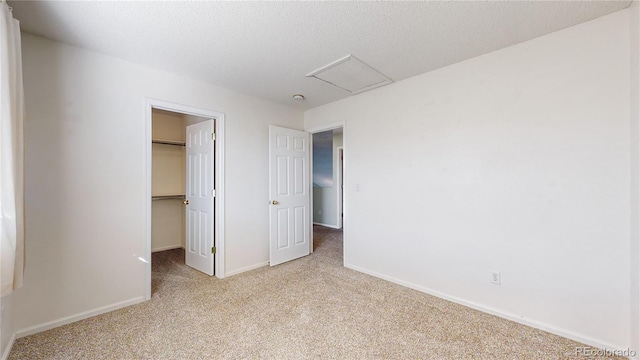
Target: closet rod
168, 142
167, 197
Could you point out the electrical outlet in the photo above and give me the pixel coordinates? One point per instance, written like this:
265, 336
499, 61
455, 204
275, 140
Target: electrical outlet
319, 212
495, 277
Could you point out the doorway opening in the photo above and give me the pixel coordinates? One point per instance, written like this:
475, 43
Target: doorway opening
328, 200
185, 190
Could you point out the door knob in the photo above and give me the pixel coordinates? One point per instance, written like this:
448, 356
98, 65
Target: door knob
274, 202
186, 202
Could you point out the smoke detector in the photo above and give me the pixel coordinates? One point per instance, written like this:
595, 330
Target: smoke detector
298, 97
351, 74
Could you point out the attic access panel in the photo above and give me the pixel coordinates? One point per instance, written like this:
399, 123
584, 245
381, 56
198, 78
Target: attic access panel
351, 74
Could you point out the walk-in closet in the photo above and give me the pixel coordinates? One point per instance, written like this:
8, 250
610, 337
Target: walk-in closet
168, 157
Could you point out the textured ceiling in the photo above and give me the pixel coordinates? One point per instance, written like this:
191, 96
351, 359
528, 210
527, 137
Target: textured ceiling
265, 49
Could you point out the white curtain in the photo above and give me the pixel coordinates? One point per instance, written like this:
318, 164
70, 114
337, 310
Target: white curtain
11, 153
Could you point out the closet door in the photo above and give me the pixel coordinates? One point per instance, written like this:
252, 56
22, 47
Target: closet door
199, 197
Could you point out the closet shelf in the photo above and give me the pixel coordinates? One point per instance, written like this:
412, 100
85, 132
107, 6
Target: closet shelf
167, 197
168, 142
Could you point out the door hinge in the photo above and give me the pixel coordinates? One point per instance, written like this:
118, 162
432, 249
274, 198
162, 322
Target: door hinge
213, 250
213, 136
213, 193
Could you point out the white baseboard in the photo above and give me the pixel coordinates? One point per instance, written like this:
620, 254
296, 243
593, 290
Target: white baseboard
505, 315
246, 268
7, 350
164, 248
327, 225
73, 318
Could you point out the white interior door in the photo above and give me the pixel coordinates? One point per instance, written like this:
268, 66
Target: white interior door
199, 197
289, 194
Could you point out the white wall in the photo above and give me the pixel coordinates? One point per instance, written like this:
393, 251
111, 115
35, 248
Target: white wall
516, 161
85, 170
6, 324
324, 201
634, 252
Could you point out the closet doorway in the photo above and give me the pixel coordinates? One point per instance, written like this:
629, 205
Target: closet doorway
184, 171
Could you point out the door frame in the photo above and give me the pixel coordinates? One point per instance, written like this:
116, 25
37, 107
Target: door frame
218, 182
313, 130
340, 179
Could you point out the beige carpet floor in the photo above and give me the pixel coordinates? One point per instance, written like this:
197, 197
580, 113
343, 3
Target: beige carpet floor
311, 308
